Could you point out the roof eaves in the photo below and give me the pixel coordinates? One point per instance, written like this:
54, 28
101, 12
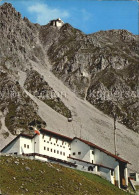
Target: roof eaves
56, 134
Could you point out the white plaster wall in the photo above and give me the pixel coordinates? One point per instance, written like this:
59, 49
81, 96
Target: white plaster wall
59, 24
137, 177
37, 144
28, 142
117, 175
106, 173
126, 175
41, 158
104, 159
79, 146
58, 146
112, 178
13, 147
83, 166
92, 156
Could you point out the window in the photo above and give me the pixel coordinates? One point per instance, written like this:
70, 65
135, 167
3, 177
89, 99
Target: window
57, 145
24, 145
51, 150
57, 151
69, 148
44, 148
79, 153
54, 144
60, 153
42, 136
47, 142
44, 140
73, 153
90, 168
63, 146
28, 146
49, 138
132, 174
54, 151
112, 173
92, 161
63, 153
47, 149
60, 146
92, 151
51, 142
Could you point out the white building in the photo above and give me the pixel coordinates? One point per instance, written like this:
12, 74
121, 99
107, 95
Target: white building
134, 176
57, 23
75, 153
102, 162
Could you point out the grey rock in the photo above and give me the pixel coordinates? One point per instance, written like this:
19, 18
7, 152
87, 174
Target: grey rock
27, 169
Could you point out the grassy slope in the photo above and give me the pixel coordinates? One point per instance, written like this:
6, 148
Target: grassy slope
24, 176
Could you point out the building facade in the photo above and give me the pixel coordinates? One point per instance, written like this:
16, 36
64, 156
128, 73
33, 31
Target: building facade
76, 153
135, 176
57, 23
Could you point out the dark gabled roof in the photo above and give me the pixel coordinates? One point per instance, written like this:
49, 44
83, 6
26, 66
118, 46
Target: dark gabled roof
22, 135
57, 135
27, 136
103, 150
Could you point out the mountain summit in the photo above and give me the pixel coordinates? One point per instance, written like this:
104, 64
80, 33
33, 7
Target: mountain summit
50, 76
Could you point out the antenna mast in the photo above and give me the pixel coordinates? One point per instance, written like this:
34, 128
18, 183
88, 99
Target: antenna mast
115, 148
80, 130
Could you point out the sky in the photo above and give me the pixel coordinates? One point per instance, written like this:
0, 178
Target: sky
87, 15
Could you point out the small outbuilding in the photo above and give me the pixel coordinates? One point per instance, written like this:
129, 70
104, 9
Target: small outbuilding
57, 23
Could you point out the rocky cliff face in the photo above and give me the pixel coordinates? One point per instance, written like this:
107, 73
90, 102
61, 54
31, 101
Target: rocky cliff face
37, 86
20, 46
48, 74
17, 107
101, 67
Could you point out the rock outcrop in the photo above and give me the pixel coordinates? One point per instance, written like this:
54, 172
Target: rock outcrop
102, 68
21, 45
37, 63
